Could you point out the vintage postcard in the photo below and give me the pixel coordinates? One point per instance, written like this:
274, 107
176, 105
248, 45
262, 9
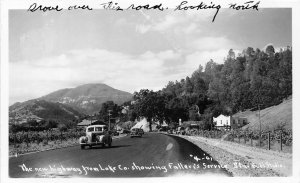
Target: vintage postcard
149, 91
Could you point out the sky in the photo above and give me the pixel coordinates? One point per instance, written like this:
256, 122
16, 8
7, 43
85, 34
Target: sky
129, 50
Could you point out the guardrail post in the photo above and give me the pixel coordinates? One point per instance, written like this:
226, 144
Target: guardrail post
269, 140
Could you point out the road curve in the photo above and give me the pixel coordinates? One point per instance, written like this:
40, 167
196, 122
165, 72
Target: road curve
153, 155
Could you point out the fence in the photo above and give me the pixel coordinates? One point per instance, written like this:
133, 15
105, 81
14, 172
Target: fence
272, 140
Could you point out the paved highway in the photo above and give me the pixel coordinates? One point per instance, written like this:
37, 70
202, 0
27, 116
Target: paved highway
153, 155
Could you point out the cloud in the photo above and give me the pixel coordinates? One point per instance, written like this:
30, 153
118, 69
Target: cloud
168, 22
201, 58
179, 23
161, 25
211, 43
35, 78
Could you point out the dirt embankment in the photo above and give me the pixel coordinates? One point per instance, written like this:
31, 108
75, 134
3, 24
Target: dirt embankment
246, 161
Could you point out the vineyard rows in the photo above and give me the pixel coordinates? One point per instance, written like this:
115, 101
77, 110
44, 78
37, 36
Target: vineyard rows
43, 136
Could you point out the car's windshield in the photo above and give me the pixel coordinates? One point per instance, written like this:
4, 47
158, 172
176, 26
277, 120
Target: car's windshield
91, 129
98, 129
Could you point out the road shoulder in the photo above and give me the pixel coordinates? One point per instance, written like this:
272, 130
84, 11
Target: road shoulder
245, 161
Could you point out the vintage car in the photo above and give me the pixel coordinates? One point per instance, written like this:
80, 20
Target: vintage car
136, 132
96, 135
142, 131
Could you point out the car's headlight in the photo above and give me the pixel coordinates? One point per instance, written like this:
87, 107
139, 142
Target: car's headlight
83, 139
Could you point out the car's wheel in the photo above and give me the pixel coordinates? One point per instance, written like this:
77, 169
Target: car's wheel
82, 147
103, 145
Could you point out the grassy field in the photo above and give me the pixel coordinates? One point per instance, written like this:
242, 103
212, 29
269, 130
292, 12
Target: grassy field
271, 117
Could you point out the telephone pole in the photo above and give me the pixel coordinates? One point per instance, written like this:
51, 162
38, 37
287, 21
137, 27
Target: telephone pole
259, 125
259, 100
109, 119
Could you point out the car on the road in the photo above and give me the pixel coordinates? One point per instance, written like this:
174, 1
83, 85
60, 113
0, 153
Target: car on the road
115, 133
96, 135
142, 131
135, 132
124, 131
170, 131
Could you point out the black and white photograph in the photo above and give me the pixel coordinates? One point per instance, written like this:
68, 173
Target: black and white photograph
144, 90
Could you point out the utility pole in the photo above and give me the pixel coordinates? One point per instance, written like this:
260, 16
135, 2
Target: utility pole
259, 117
259, 125
109, 119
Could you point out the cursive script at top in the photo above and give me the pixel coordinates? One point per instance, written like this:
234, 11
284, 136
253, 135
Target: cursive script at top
183, 6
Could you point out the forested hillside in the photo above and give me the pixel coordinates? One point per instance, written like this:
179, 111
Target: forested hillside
249, 80
252, 78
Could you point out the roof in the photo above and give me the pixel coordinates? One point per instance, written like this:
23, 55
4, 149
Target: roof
97, 125
86, 122
220, 116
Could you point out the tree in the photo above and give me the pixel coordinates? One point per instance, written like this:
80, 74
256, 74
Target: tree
149, 104
188, 87
107, 108
194, 114
62, 127
177, 108
231, 54
270, 50
285, 70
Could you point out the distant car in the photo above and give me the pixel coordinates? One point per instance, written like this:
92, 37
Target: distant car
170, 131
136, 132
96, 135
115, 133
124, 131
142, 131
163, 129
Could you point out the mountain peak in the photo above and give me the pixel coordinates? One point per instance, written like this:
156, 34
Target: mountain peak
93, 85
88, 98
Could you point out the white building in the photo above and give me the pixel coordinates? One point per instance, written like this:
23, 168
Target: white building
222, 121
229, 122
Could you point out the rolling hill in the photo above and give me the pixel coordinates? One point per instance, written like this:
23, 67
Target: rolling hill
88, 98
41, 109
271, 117
67, 104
